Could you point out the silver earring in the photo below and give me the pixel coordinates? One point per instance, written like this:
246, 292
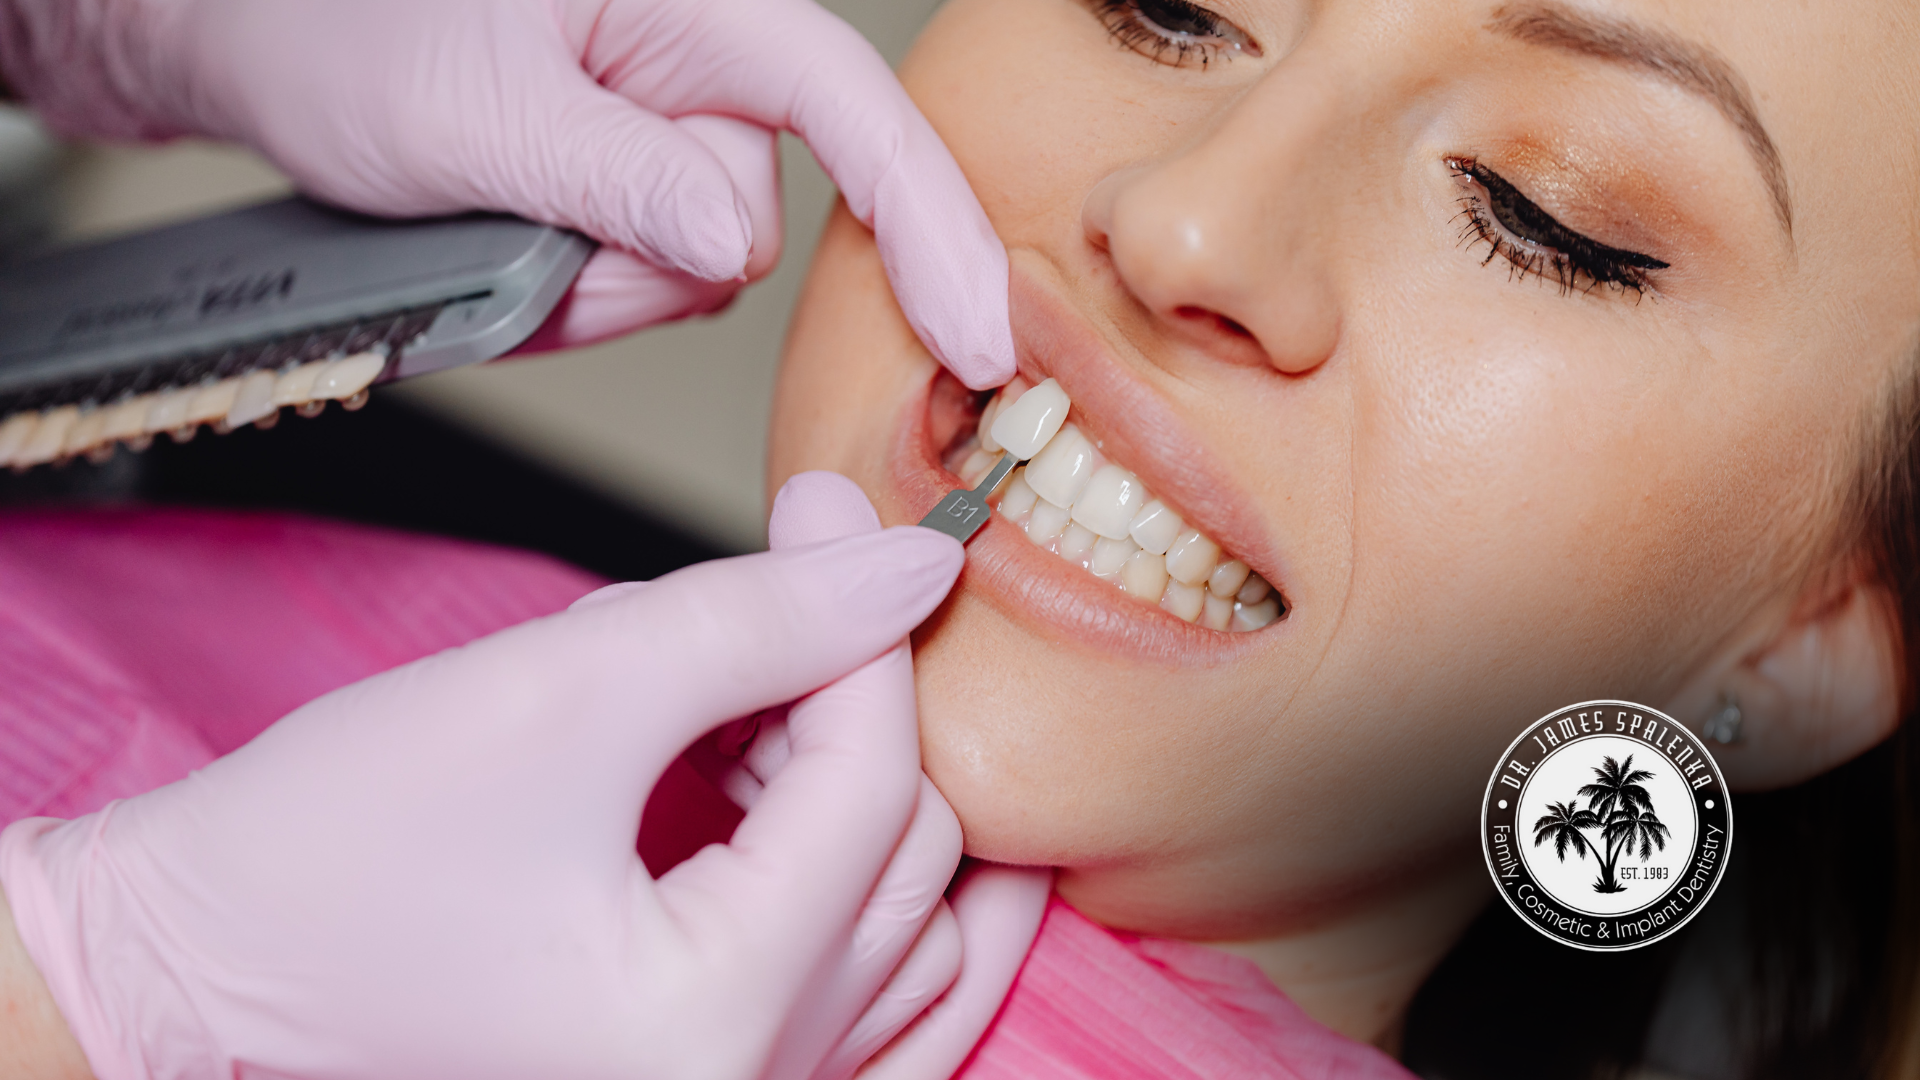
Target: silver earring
1723, 726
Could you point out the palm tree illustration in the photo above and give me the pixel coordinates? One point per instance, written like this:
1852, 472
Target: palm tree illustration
1618, 808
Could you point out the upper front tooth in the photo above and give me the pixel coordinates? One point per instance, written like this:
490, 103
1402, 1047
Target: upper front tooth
1030, 422
1061, 471
1109, 502
1155, 527
1192, 557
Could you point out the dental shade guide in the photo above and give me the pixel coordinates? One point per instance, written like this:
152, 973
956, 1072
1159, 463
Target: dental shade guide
224, 321
963, 513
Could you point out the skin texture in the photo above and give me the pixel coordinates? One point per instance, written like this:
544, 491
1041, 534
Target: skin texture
1483, 496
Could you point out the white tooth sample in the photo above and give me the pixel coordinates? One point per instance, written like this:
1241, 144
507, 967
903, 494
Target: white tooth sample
295, 387
1019, 498
1144, 576
253, 400
1111, 499
128, 419
984, 429
1031, 422
1076, 543
974, 469
1109, 556
348, 376
1155, 527
1184, 601
168, 411
1254, 616
1227, 578
1061, 471
212, 401
1047, 522
15, 433
1254, 591
49, 436
86, 433
1218, 614
1192, 557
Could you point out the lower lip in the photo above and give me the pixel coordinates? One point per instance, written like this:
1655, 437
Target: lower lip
1027, 584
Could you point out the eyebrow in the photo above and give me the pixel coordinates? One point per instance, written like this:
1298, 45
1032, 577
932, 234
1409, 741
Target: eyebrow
1694, 68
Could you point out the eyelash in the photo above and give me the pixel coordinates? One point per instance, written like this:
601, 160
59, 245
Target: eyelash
1529, 238
1133, 24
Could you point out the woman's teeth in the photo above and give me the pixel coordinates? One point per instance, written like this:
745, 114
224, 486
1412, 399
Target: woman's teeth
1100, 517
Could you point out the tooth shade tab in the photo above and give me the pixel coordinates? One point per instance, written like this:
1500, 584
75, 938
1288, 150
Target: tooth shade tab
254, 399
1031, 422
344, 378
85, 433
168, 411
1112, 497
15, 433
1192, 557
1155, 527
49, 436
1062, 470
1109, 556
128, 419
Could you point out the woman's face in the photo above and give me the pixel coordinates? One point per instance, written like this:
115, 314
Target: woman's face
1526, 349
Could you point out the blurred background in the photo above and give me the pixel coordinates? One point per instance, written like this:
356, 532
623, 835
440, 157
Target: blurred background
628, 458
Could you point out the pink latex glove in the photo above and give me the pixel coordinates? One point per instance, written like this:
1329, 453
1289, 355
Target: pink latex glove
646, 124
995, 909
431, 873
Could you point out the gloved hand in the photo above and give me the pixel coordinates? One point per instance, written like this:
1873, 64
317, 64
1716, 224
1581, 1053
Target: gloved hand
996, 909
646, 124
431, 873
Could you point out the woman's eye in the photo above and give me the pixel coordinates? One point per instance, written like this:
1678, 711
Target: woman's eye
1173, 31
1517, 230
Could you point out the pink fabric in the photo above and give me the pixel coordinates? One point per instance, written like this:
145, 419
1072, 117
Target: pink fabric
137, 645
1092, 1003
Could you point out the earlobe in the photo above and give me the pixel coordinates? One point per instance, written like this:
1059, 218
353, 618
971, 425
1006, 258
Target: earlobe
1822, 690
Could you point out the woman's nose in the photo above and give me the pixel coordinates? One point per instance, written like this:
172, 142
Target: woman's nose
1225, 243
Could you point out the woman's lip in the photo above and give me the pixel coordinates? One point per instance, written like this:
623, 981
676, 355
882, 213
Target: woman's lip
1027, 583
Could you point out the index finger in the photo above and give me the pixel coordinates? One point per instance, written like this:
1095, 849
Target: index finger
792, 65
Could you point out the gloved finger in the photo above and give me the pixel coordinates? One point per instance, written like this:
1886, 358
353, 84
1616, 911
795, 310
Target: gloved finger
929, 968
790, 64
907, 895
815, 506
618, 292
801, 865
633, 179
999, 910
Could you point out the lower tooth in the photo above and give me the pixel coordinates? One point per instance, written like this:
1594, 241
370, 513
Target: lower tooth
1109, 556
1019, 499
1076, 544
975, 467
1254, 616
1144, 576
1047, 522
1184, 601
1192, 558
1218, 614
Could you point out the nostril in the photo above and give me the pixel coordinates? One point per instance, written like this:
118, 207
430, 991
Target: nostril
1213, 318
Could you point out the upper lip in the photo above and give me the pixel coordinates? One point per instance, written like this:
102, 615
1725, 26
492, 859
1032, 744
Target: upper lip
1135, 427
